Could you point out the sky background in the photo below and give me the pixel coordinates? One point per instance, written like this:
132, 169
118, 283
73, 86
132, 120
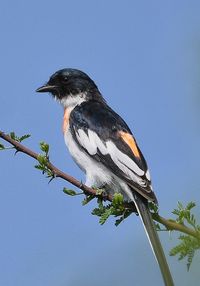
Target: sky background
145, 58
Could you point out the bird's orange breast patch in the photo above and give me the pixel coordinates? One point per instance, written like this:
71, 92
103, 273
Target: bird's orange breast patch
130, 141
65, 125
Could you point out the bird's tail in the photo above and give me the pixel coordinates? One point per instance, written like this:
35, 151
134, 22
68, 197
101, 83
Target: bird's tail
154, 240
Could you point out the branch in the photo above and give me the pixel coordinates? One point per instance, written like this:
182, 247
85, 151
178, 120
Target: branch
169, 224
173, 225
57, 172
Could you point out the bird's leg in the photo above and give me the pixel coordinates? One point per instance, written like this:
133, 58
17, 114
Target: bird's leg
101, 190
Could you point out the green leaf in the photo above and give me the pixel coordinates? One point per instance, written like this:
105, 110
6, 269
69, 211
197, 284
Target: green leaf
186, 248
39, 167
19, 139
42, 159
44, 147
100, 204
157, 226
97, 211
22, 138
153, 207
2, 146
69, 192
190, 205
119, 220
117, 200
190, 258
12, 135
99, 192
176, 212
180, 206
126, 214
105, 215
87, 199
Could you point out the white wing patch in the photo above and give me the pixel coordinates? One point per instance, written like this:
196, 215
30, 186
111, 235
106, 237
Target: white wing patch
124, 163
119, 157
94, 139
83, 140
92, 143
148, 175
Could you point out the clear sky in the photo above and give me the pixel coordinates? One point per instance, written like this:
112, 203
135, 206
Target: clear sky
145, 58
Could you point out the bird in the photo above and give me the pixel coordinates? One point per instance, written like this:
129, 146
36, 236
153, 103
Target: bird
103, 146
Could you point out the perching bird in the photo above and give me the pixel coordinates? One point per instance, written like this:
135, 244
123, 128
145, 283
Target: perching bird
103, 146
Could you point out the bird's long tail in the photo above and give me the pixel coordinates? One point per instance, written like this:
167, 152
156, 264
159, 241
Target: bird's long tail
154, 240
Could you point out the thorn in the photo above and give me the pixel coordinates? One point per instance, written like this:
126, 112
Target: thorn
81, 185
17, 151
53, 176
51, 179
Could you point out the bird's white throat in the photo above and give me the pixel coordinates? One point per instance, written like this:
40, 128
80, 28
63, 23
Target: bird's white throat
72, 101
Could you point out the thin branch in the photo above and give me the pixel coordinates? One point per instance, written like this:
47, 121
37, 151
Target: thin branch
169, 224
173, 225
57, 172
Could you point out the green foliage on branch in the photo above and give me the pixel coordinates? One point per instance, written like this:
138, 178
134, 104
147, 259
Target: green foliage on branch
16, 138
43, 160
19, 139
184, 221
188, 245
116, 208
71, 192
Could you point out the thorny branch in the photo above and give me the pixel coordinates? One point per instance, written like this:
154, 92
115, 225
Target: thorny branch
169, 224
57, 172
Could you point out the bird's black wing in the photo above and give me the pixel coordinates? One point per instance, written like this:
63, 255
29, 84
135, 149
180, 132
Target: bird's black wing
104, 135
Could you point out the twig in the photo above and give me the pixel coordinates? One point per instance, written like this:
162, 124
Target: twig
57, 172
173, 225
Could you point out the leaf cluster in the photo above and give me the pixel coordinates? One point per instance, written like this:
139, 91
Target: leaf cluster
104, 210
43, 160
71, 192
16, 138
188, 245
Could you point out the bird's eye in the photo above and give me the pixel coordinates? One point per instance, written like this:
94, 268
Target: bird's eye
65, 78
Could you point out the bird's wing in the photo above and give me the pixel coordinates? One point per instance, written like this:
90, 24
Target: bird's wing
104, 136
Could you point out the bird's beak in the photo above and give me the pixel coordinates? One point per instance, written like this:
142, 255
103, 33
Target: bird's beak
46, 88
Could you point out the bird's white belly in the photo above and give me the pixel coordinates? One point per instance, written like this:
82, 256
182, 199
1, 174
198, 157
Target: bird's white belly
97, 175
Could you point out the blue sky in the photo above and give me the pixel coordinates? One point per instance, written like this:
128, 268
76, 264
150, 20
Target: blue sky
145, 58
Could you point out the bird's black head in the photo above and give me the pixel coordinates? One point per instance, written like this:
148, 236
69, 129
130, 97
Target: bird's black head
70, 83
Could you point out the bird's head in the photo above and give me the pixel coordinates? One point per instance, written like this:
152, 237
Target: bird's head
71, 87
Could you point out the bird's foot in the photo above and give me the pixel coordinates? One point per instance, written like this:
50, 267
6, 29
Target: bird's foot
101, 191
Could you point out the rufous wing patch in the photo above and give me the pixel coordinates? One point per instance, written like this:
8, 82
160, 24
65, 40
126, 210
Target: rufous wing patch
65, 125
130, 141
